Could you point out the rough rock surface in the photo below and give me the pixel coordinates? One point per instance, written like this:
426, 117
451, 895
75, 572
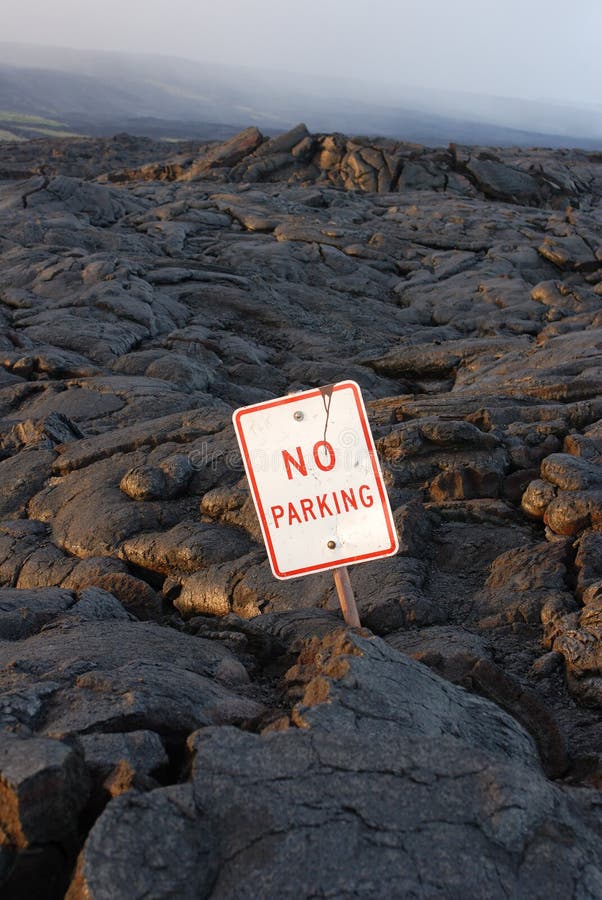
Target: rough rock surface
394, 783
148, 289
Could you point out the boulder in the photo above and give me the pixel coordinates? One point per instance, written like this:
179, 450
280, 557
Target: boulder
167, 681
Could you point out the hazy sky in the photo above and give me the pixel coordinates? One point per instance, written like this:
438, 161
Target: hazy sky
539, 49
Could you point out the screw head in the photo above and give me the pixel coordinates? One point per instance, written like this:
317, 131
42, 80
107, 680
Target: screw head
331, 545
297, 416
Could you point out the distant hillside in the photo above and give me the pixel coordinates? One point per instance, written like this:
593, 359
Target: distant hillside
49, 91
44, 102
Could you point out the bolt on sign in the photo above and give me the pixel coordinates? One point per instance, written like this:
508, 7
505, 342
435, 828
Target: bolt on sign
315, 480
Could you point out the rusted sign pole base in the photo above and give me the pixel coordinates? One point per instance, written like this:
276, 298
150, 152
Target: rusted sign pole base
346, 598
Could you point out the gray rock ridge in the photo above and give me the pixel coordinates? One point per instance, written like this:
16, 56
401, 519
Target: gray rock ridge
357, 800
147, 290
532, 177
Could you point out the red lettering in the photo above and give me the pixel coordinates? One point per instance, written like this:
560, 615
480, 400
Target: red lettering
298, 463
348, 499
307, 506
365, 500
326, 467
293, 514
318, 507
323, 506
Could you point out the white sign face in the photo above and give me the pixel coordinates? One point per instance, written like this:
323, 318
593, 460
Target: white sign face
315, 480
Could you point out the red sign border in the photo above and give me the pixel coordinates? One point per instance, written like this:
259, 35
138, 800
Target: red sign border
294, 398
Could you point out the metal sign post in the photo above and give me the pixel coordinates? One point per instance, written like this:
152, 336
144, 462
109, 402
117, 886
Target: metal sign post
346, 597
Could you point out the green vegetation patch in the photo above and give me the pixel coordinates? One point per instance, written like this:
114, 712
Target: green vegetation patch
16, 118
9, 136
49, 132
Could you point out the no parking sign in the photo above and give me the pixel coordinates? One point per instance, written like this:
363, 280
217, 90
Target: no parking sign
315, 480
